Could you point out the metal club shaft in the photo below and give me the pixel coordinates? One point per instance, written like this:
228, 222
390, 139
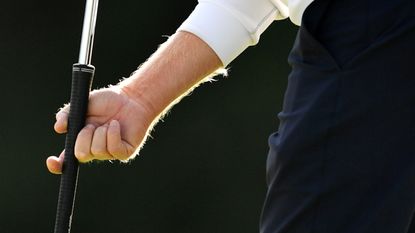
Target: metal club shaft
88, 32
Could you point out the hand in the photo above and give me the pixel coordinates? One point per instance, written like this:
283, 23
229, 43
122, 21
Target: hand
116, 126
119, 117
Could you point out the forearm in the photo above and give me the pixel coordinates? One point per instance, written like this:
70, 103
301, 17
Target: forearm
178, 65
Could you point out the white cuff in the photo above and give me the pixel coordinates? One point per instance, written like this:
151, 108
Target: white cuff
219, 29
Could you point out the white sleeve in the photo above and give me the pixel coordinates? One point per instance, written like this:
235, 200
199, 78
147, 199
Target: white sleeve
230, 26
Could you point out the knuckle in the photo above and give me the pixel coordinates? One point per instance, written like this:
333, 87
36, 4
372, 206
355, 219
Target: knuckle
82, 156
121, 156
113, 151
98, 152
101, 157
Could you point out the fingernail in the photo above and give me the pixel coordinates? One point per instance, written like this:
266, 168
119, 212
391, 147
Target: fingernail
113, 123
58, 116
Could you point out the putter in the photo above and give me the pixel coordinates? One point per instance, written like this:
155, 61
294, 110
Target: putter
82, 75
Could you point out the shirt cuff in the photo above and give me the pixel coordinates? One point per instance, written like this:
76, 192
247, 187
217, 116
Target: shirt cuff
219, 29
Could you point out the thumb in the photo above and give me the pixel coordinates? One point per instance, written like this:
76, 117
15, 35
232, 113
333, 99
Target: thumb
61, 123
54, 163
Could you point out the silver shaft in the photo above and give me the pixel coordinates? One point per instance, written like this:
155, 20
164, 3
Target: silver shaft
88, 32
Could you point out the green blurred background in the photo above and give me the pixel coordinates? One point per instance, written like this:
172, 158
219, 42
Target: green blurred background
204, 169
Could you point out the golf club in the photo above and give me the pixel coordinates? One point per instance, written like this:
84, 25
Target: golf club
82, 75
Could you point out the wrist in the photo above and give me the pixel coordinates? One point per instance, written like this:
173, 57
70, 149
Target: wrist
135, 94
173, 70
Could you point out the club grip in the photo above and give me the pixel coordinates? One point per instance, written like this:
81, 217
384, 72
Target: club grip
82, 76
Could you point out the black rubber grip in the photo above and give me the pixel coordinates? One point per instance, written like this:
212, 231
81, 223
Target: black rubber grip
82, 76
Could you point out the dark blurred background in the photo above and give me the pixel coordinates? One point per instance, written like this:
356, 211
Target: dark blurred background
204, 169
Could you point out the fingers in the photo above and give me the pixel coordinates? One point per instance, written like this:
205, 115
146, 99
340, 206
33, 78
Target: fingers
54, 163
61, 123
102, 143
99, 144
115, 145
83, 144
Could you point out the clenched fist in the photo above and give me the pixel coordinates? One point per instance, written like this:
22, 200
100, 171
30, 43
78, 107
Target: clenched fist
116, 125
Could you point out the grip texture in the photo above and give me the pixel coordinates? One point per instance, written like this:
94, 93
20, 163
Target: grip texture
82, 76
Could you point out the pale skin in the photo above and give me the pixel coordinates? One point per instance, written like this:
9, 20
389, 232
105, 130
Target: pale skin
119, 117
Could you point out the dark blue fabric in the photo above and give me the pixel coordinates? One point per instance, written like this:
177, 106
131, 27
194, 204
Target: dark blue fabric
343, 159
